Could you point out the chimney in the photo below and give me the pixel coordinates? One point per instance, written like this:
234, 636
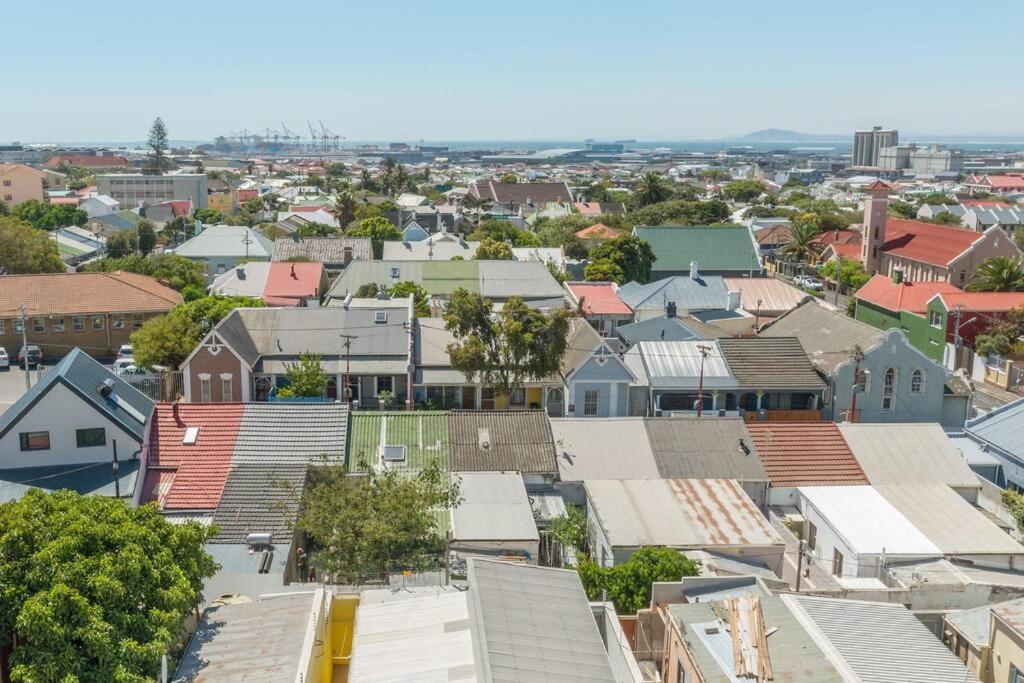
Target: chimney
897, 276
347, 256
294, 276
670, 309
240, 272
694, 272
732, 300
382, 292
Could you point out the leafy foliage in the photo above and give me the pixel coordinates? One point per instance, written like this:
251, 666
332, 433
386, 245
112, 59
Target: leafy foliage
651, 188
420, 305
851, 273
378, 229
604, 271
367, 290
503, 231
146, 235
93, 590
157, 141
570, 529
505, 349
632, 255
49, 216
364, 526
799, 244
177, 271
1015, 504
209, 216
628, 585
24, 249
743, 190
493, 250
998, 274
677, 212
945, 218
305, 378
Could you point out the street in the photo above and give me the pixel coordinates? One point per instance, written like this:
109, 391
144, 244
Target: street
12, 385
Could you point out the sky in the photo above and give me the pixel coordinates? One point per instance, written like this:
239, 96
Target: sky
523, 70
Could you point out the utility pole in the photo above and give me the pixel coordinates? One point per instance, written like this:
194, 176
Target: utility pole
858, 356
448, 557
839, 265
246, 240
799, 564
117, 473
347, 389
704, 351
24, 343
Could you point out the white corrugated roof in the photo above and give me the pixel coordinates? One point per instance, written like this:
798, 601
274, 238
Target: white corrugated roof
867, 522
494, 507
613, 448
907, 454
669, 362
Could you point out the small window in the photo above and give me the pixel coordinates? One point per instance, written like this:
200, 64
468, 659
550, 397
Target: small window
935, 319
487, 398
2, 326
191, 434
118, 322
38, 325
385, 384
518, 397
917, 382
889, 391
590, 401
226, 390
395, 273
863, 381
78, 323
837, 562
205, 391
91, 437
812, 535
97, 322
137, 321
35, 441
380, 317
58, 324
7, 183
17, 325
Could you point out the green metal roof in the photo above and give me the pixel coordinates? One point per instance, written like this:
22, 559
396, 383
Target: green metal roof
444, 277
423, 433
713, 248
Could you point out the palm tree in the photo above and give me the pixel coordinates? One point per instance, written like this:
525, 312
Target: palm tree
799, 244
651, 189
345, 205
999, 274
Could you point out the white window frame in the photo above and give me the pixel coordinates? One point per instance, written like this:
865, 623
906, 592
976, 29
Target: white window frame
205, 388
864, 386
38, 325
78, 323
512, 401
591, 402
227, 392
889, 391
117, 322
935, 319
376, 385
917, 374
98, 323
57, 324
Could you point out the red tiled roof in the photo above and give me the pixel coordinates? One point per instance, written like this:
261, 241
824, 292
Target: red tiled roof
599, 298
598, 231
987, 302
200, 468
589, 208
156, 485
246, 195
837, 237
70, 201
75, 293
1004, 182
288, 282
180, 207
297, 208
878, 185
926, 242
87, 160
987, 203
775, 234
805, 454
880, 290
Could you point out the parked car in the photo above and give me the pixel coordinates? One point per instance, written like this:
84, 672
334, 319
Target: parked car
123, 363
5, 360
31, 355
125, 351
807, 282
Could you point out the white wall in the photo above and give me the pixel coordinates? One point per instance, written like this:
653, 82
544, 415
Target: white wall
61, 412
827, 540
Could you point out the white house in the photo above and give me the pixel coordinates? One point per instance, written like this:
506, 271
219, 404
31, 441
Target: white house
99, 205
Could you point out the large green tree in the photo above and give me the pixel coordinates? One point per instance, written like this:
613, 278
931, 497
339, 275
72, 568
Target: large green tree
95, 590
146, 236
676, 212
420, 305
345, 205
49, 216
503, 231
379, 230
177, 271
651, 188
365, 526
743, 190
504, 349
24, 249
631, 254
493, 250
158, 143
306, 378
628, 585
998, 274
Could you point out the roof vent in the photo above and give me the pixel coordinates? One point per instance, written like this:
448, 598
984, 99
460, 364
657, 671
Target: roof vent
394, 453
106, 387
694, 271
191, 434
484, 438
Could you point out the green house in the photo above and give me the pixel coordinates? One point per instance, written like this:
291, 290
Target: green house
727, 250
909, 306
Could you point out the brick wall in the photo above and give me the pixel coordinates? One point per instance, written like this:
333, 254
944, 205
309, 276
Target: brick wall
98, 335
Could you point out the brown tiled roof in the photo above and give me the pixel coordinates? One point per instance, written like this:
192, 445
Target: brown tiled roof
517, 441
770, 363
805, 454
536, 194
74, 293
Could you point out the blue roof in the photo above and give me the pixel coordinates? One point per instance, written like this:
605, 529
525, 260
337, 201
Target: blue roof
704, 292
95, 478
125, 406
655, 329
1002, 428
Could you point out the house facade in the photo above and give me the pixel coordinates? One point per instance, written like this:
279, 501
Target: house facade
221, 247
19, 183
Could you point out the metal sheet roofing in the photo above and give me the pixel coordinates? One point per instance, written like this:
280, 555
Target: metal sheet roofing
691, 448
95, 478
423, 433
878, 642
678, 364
501, 441
533, 623
867, 522
827, 336
678, 513
660, 328
805, 454
689, 294
719, 248
494, 507
908, 454
1002, 428
227, 241
768, 295
418, 634
949, 521
599, 298
612, 448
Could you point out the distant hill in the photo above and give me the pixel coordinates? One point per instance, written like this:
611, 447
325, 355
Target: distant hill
780, 135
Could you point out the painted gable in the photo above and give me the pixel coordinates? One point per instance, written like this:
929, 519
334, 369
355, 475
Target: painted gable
414, 233
604, 367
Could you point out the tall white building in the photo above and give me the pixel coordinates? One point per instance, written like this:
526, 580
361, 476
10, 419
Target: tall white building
868, 143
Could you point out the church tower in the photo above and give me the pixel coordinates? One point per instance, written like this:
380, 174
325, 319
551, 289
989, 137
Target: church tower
876, 209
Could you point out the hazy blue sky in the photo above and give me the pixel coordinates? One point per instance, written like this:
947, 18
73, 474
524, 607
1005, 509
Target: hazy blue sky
449, 69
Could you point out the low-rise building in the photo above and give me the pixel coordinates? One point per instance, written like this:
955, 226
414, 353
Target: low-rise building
221, 247
19, 183
600, 305
722, 250
494, 518
275, 283
136, 189
334, 252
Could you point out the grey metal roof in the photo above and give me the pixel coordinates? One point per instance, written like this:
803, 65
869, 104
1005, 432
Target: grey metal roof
660, 328
260, 498
691, 448
972, 623
494, 507
973, 452
532, 624
827, 336
678, 364
879, 642
532, 279
227, 240
1002, 428
908, 454
705, 292
293, 433
95, 478
125, 406
427, 250
612, 448
239, 558
258, 641
794, 655
501, 441
322, 249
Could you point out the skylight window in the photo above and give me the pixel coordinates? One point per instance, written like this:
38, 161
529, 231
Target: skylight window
191, 434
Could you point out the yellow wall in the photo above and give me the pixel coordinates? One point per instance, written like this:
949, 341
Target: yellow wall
533, 395
1007, 648
220, 202
340, 627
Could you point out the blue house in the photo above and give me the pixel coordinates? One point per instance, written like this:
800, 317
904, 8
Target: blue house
596, 380
999, 434
414, 233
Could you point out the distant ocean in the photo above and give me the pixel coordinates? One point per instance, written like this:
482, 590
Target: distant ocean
704, 146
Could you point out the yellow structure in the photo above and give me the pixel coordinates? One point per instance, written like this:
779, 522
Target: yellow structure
19, 183
1006, 643
334, 637
222, 202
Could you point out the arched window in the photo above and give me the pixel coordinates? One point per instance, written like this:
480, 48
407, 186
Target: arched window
863, 381
889, 390
917, 382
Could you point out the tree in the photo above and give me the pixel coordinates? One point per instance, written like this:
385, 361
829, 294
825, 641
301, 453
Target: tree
799, 245
366, 526
314, 229
604, 271
570, 529
676, 212
378, 230
743, 190
305, 378
157, 161
209, 216
505, 349
1014, 502
345, 205
851, 273
503, 231
650, 189
998, 274
367, 290
903, 209
557, 272
420, 304
937, 198
945, 218
510, 178
93, 589
631, 254
23, 249
492, 250
49, 216
146, 236
177, 271
121, 244
628, 585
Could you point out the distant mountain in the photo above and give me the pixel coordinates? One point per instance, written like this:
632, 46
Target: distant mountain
780, 135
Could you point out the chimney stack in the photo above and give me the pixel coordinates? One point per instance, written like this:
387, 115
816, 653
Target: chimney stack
897, 276
694, 272
347, 256
670, 309
732, 300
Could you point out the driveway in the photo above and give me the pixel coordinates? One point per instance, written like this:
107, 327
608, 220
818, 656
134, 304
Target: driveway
12, 385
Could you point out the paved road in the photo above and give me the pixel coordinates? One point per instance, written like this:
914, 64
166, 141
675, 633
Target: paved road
830, 295
988, 398
12, 385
